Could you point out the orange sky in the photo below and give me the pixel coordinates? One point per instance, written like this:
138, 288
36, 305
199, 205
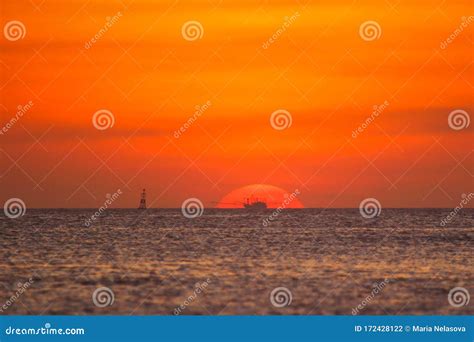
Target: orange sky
151, 79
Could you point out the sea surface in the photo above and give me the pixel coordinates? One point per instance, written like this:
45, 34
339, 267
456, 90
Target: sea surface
227, 262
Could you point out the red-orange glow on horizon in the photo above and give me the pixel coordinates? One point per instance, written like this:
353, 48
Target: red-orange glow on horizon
273, 196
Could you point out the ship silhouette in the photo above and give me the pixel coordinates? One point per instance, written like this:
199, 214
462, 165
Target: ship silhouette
249, 203
255, 204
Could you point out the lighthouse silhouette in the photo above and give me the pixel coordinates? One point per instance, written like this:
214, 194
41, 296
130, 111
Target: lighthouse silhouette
142, 200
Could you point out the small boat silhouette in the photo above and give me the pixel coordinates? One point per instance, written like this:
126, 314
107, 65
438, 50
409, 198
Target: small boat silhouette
255, 204
250, 203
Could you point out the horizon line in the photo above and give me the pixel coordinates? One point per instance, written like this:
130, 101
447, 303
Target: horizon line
249, 210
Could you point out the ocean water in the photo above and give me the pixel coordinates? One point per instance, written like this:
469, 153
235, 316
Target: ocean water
228, 262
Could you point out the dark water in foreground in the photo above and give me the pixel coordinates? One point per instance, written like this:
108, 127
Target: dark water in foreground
152, 260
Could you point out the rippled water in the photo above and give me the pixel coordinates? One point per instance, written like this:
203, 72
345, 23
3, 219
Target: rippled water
329, 260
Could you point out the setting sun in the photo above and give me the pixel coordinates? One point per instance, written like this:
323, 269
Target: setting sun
272, 196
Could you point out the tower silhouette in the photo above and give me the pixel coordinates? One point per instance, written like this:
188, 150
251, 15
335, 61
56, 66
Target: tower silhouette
142, 200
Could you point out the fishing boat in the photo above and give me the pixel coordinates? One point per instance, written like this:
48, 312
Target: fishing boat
255, 204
